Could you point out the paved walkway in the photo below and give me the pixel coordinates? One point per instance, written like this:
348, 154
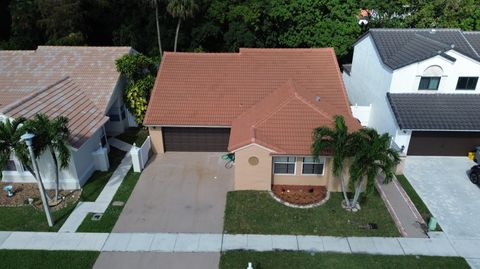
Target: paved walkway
401, 208
103, 200
192, 243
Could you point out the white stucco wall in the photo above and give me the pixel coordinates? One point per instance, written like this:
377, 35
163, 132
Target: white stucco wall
407, 79
83, 159
369, 82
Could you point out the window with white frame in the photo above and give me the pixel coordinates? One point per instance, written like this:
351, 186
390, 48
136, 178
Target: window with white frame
310, 166
284, 165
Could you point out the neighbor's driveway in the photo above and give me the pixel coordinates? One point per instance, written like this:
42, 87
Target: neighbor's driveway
443, 185
179, 192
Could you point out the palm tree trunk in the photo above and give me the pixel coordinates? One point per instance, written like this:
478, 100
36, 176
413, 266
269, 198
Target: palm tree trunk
358, 190
55, 161
158, 31
176, 35
344, 191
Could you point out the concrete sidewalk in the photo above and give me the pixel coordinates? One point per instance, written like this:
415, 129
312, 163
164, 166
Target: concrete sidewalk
401, 208
105, 198
183, 242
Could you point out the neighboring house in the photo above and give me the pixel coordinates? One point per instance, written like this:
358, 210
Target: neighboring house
420, 86
80, 83
261, 104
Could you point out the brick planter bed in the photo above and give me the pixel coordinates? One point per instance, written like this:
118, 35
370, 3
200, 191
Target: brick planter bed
300, 195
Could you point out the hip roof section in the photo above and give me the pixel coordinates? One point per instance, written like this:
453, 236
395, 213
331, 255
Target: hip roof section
212, 89
272, 97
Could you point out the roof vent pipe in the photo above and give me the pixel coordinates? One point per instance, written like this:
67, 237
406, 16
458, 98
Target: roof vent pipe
317, 98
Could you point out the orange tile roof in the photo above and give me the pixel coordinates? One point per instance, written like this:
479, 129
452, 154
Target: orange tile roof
268, 96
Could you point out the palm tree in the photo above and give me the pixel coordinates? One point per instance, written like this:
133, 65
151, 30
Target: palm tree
52, 135
181, 9
337, 141
154, 3
10, 133
373, 156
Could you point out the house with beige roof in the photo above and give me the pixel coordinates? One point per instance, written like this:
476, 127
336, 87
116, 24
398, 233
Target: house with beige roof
261, 104
80, 83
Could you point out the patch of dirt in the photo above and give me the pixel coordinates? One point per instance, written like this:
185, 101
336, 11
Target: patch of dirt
300, 195
24, 191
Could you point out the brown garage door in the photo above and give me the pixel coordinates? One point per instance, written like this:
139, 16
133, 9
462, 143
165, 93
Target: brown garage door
195, 139
443, 143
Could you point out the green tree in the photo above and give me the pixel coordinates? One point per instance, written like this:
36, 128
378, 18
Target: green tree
25, 33
139, 72
52, 135
338, 142
10, 133
181, 9
154, 3
62, 21
373, 156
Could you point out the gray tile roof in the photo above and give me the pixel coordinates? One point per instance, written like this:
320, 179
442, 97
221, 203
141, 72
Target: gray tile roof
400, 47
62, 98
460, 112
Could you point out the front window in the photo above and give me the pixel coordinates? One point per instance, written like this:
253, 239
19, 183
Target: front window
467, 83
310, 166
284, 165
429, 83
10, 166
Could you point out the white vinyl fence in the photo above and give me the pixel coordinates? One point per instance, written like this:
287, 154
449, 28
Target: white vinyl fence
140, 155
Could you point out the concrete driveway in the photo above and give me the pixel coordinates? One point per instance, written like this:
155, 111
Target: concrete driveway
443, 185
179, 192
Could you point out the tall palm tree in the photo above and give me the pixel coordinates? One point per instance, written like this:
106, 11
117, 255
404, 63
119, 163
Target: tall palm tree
337, 141
373, 156
155, 3
10, 133
52, 135
181, 9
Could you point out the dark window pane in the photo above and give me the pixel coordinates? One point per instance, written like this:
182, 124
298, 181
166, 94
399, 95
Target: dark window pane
467, 83
311, 169
424, 83
10, 166
462, 83
429, 83
114, 117
283, 168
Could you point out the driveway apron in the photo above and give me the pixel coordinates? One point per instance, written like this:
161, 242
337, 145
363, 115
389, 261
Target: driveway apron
443, 185
179, 192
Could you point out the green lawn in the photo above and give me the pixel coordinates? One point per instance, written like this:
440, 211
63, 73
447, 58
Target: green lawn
417, 201
39, 259
99, 179
134, 135
28, 218
255, 212
110, 217
304, 260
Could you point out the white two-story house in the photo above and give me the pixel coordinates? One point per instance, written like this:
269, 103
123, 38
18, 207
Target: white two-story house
420, 86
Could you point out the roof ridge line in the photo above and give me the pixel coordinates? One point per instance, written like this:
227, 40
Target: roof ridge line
280, 106
29, 97
323, 113
469, 45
